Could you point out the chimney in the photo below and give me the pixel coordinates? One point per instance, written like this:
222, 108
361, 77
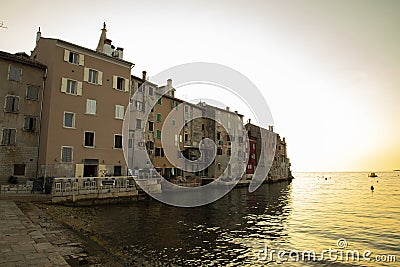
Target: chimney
144, 75
249, 121
227, 108
169, 84
120, 52
271, 128
38, 35
107, 48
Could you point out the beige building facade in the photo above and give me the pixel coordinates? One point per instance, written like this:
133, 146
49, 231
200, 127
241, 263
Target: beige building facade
84, 106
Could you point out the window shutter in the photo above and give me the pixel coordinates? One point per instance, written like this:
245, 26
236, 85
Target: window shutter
126, 85
63, 85
94, 106
116, 111
86, 74
16, 104
12, 136
100, 78
88, 106
26, 123
81, 60
66, 55
115, 78
8, 103
79, 88
9, 71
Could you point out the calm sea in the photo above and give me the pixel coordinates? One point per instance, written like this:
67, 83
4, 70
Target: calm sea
336, 214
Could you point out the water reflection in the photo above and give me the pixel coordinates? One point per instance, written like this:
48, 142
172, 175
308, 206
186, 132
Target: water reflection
311, 213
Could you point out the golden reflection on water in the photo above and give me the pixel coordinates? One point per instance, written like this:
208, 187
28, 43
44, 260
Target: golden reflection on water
311, 213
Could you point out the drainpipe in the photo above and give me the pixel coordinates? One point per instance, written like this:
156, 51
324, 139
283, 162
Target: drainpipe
40, 126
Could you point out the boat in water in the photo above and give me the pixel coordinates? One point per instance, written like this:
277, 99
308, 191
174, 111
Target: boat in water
372, 174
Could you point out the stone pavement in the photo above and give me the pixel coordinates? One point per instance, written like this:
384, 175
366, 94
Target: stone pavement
22, 243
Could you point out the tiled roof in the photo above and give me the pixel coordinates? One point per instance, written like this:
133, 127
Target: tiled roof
20, 58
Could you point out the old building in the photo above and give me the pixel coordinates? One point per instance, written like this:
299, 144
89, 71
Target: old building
84, 106
275, 158
21, 90
226, 129
141, 126
166, 105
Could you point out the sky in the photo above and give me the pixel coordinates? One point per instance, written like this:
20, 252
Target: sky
329, 70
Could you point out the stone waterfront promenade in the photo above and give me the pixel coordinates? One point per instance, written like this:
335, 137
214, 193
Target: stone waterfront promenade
22, 242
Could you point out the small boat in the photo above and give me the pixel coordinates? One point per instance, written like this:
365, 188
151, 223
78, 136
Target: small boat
372, 174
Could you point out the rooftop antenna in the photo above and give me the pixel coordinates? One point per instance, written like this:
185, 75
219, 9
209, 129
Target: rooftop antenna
2, 25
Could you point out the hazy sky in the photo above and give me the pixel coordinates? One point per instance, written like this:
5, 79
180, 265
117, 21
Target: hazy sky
329, 70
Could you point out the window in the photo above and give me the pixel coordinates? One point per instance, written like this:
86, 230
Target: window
14, 73
249, 166
186, 137
74, 58
117, 141
159, 117
229, 152
91, 106
151, 126
120, 83
30, 124
139, 106
8, 137
150, 146
130, 143
202, 127
19, 169
158, 134
159, 101
93, 76
219, 151
89, 139
69, 120
71, 87
12, 103
138, 124
151, 90
117, 170
173, 122
218, 135
159, 152
254, 146
66, 154
32, 92
119, 112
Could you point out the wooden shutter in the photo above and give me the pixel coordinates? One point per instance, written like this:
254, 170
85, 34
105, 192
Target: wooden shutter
127, 85
12, 136
86, 74
26, 123
63, 85
79, 170
81, 60
16, 104
66, 55
115, 79
79, 88
100, 78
